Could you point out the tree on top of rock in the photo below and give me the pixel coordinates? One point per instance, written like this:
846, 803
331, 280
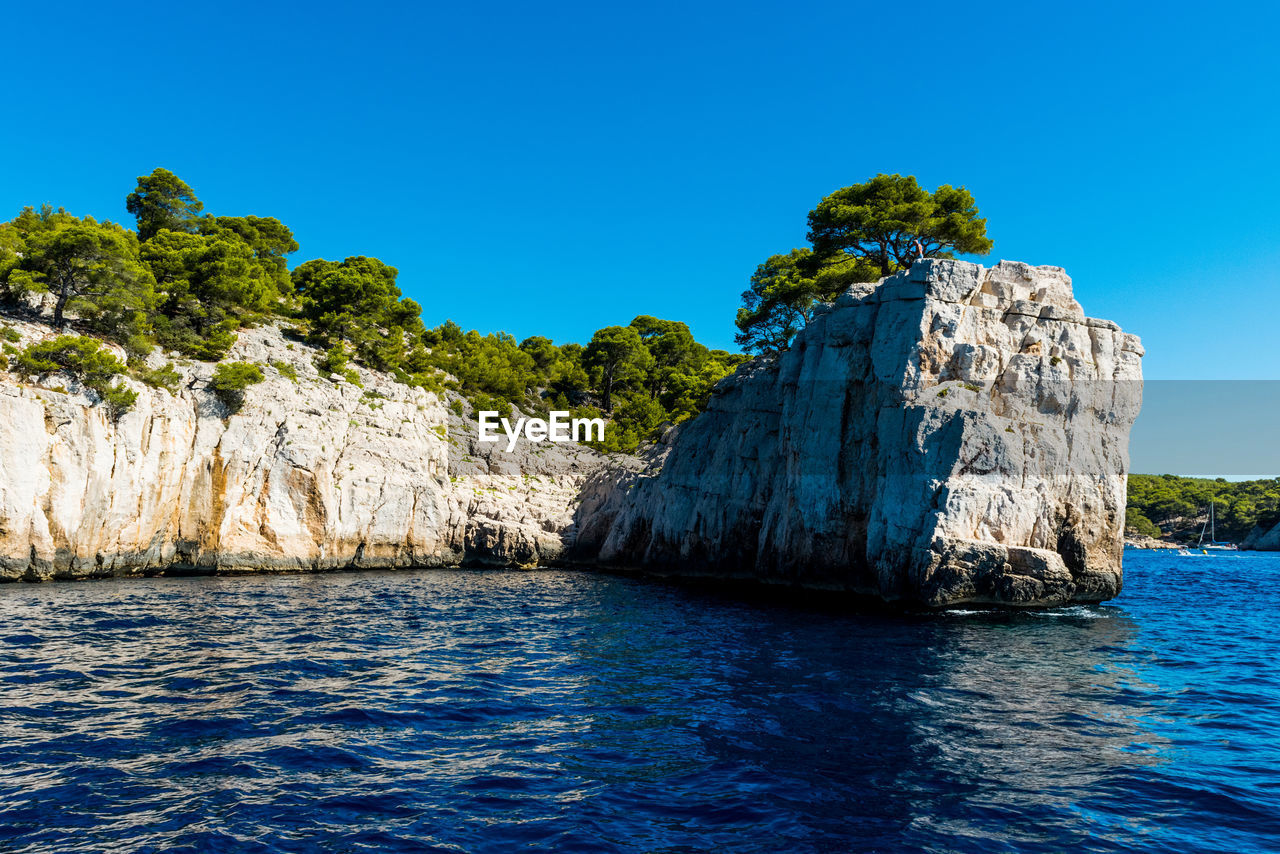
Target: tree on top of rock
882, 220
859, 234
90, 266
356, 301
268, 237
778, 304
163, 200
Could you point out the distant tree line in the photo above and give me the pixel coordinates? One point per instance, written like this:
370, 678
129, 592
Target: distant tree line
1176, 507
187, 280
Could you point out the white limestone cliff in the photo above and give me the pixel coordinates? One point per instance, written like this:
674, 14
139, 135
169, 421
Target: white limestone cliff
952, 434
312, 474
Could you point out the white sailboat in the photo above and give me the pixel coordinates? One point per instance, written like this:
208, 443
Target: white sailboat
1213, 545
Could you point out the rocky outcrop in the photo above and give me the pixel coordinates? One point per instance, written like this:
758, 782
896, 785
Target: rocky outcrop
1263, 538
312, 473
952, 434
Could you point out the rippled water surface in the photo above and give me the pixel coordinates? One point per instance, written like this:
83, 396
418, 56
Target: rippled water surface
494, 710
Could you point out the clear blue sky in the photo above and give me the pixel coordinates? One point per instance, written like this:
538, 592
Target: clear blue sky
554, 168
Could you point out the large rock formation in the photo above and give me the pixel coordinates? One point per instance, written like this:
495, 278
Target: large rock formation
1263, 538
953, 434
312, 473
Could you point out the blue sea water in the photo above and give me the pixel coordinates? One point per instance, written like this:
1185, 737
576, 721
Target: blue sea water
555, 710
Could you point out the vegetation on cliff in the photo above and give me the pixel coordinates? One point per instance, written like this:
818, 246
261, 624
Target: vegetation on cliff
1176, 508
186, 280
230, 379
85, 360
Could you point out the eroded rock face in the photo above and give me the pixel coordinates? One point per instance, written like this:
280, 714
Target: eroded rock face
953, 434
312, 474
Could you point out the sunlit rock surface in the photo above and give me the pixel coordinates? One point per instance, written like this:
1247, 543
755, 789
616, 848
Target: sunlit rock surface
312, 474
952, 434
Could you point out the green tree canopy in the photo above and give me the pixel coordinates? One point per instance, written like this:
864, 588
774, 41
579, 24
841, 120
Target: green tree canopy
1177, 507
682, 371
542, 350
356, 302
778, 304
688, 386
881, 221
339, 297
617, 354
163, 200
860, 233
268, 238
207, 284
194, 279
14, 282
93, 267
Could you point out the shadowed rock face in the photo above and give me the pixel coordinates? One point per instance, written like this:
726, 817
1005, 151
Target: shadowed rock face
952, 434
1263, 539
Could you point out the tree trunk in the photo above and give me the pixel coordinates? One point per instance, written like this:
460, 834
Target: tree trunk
608, 390
60, 322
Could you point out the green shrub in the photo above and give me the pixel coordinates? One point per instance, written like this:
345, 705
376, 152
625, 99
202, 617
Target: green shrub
285, 370
119, 399
430, 380
208, 345
490, 403
83, 358
137, 347
11, 335
166, 378
458, 407
86, 360
229, 381
333, 360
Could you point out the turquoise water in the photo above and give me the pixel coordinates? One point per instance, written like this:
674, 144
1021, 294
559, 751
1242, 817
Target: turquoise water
495, 710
